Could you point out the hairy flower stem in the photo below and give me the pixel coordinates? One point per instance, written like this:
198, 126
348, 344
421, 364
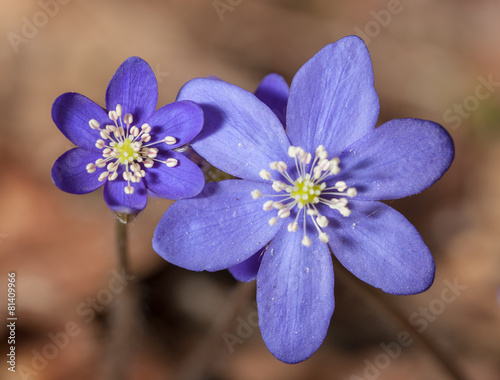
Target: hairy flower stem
197, 365
371, 296
123, 318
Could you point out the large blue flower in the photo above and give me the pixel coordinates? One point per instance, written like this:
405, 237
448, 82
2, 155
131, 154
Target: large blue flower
314, 188
129, 148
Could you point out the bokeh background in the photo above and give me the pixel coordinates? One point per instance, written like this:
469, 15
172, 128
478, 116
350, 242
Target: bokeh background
431, 60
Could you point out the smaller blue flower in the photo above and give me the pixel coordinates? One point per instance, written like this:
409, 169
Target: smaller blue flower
130, 148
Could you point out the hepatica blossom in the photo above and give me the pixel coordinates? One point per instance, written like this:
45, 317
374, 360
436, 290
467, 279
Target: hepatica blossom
130, 147
306, 189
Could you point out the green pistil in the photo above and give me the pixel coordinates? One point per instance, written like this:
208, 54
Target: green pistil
305, 192
124, 151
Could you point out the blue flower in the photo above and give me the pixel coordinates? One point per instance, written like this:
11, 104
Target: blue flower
130, 148
307, 191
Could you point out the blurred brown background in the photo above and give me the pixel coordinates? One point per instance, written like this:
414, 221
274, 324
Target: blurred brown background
437, 60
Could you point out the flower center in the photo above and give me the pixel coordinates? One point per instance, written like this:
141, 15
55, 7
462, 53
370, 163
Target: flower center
124, 144
307, 191
124, 151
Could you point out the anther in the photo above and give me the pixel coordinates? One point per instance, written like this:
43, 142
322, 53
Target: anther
170, 140
129, 190
94, 124
268, 206
103, 176
306, 241
264, 174
323, 237
128, 119
91, 168
273, 221
293, 227
256, 194
171, 162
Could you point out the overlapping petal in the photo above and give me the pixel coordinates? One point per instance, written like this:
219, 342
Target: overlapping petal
181, 181
332, 99
273, 92
399, 158
248, 269
241, 135
379, 246
182, 120
295, 296
118, 201
72, 112
219, 228
69, 172
134, 87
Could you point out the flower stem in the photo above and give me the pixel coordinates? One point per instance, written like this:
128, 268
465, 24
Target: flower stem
123, 318
370, 295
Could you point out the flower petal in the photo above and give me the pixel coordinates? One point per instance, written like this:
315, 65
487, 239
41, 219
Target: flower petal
241, 135
221, 227
295, 297
182, 120
273, 92
332, 100
181, 181
69, 172
134, 87
248, 269
72, 112
118, 201
379, 246
399, 158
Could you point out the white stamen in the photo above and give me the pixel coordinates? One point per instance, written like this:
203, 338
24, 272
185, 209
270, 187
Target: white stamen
256, 194
292, 227
124, 146
94, 124
351, 192
268, 206
273, 221
310, 190
322, 221
91, 168
170, 140
171, 162
103, 176
264, 174
134, 131
306, 241
323, 237
128, 119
